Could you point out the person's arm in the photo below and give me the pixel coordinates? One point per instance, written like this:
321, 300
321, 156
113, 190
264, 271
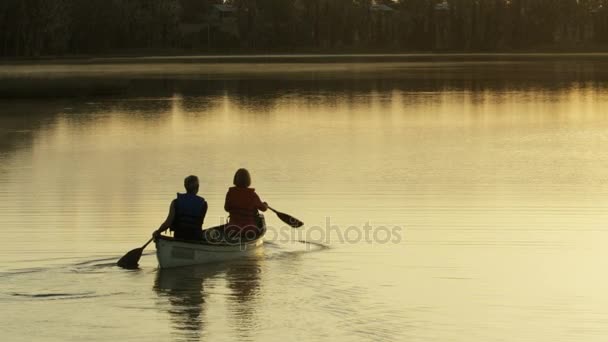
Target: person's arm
227, 204
263, 206
168, 222
204, 211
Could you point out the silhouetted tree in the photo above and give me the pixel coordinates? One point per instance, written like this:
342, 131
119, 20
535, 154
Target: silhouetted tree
53, 27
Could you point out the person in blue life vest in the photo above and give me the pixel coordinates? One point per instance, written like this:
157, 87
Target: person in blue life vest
186, 213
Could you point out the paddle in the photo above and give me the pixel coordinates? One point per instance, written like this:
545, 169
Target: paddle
290, 220
130, 260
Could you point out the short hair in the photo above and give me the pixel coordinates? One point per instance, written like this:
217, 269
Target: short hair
191, 184
242, 179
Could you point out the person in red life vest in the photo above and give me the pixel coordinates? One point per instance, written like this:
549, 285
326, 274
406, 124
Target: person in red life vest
186, 213
243, 204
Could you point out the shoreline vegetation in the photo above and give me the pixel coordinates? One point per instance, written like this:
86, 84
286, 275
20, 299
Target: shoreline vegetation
39, 28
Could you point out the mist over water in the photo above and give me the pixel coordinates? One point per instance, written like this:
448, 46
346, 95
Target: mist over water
493, 170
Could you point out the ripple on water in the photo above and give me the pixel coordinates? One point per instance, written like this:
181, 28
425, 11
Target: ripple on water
58, 295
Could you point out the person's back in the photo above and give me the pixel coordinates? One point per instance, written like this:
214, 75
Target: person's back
186, 213
190, 211
243, 204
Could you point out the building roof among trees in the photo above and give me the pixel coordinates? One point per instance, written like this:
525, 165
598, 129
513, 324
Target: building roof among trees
224, 8
381, 8
443, 6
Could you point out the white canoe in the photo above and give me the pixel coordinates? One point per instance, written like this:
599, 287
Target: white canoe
175, 253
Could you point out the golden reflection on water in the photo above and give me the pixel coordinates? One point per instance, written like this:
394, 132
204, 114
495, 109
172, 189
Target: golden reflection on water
499, 186
113, 164
188, 289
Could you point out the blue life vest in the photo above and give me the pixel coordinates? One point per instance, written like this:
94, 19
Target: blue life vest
190, 211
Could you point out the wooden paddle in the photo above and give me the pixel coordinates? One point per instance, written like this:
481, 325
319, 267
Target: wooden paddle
290, 220
130, 260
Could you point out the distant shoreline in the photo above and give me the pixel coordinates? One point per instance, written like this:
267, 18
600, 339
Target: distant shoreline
296, 57
117, 76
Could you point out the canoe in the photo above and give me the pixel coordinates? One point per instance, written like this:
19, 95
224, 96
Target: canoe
172, 252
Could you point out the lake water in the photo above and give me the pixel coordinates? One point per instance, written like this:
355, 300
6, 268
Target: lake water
444, 200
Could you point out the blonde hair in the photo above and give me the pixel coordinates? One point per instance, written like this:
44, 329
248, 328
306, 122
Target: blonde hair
242, 179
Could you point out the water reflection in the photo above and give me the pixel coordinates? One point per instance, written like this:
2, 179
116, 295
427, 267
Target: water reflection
482, 165
183, 287
188, 291
21, 121
244, 281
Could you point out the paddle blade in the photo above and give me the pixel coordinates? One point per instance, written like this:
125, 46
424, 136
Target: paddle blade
290, 220
130, 260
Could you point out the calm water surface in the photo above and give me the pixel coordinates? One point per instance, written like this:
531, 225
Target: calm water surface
490, 177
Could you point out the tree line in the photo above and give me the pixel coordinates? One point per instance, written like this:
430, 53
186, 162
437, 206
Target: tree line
58, 27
